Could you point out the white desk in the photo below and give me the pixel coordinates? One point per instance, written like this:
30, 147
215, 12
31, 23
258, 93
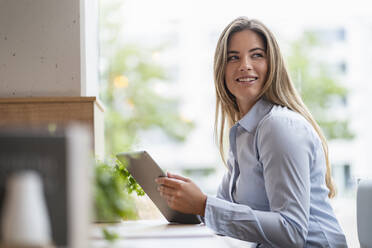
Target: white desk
159, 233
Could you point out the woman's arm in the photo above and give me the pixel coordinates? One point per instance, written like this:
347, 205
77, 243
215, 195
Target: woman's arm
285, 148
285, 152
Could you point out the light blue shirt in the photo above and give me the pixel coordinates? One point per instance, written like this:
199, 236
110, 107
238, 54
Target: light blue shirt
274, 191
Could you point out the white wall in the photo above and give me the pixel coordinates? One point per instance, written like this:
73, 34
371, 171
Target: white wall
89, 47
48, 48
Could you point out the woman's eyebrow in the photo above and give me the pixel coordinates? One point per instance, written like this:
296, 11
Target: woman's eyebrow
256, 48
252, 50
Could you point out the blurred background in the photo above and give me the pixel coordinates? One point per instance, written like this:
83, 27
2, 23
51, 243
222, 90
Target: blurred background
156, 82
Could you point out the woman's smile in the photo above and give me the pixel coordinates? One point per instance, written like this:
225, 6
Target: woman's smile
246, 80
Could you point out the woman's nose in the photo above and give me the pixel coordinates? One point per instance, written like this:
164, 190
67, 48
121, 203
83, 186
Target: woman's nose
245, 64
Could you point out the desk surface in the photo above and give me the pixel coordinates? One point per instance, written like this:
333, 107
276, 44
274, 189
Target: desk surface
159, 233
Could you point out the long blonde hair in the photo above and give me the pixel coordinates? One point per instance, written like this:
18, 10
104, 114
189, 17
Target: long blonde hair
277, 89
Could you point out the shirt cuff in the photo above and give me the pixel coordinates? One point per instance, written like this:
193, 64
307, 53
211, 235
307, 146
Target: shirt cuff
211, 213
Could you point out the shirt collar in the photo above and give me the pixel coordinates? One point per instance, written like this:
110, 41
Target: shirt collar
250, 120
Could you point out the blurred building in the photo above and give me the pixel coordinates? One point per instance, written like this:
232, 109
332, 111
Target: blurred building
350, 58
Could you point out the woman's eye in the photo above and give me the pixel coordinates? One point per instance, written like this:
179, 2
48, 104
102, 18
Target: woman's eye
234, 57
257, 55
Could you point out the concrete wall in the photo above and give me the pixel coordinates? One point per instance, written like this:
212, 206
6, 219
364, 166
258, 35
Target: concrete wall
48, 48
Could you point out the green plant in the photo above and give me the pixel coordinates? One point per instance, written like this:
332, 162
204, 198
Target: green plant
109, 235
113, 188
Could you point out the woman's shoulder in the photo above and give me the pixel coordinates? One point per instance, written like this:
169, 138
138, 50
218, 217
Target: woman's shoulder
283, 117
281, 121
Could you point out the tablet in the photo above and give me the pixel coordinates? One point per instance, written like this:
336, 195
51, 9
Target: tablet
144, 170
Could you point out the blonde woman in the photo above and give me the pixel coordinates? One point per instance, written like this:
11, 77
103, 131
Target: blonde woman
278, 180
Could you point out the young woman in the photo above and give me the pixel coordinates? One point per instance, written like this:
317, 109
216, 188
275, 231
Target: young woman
276, 189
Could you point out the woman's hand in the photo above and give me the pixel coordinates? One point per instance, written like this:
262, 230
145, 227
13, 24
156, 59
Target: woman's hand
182, 194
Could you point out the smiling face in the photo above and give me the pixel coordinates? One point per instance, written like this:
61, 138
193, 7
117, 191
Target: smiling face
246, 68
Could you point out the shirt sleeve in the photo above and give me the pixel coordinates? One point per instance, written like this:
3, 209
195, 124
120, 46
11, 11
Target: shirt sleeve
285, 148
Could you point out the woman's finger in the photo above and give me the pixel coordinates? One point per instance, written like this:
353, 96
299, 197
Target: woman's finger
170, 201
169, 182
166, 190
168, 195
185, 179
165, 195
